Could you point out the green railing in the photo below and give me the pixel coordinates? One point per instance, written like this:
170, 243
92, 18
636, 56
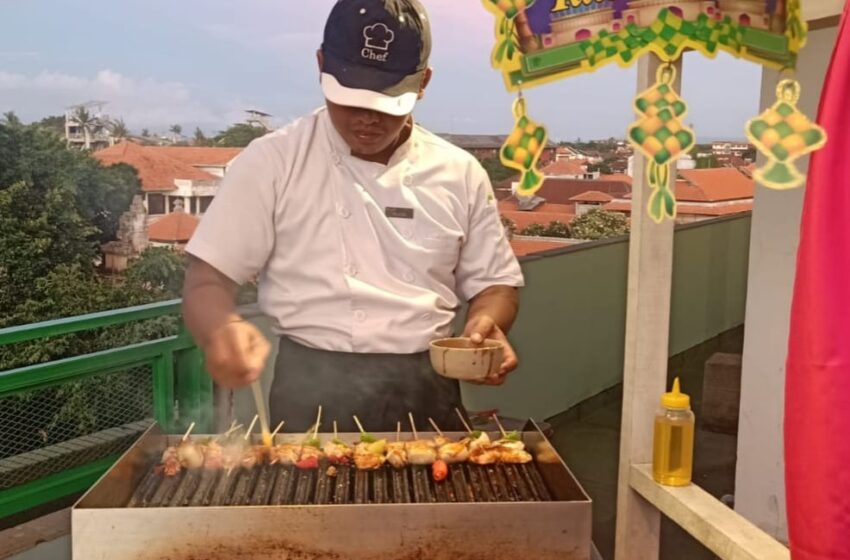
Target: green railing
63, 423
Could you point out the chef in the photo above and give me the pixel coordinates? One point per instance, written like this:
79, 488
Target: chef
366, 234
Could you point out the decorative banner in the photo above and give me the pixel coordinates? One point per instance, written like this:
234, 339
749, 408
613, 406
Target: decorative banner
553, 39
506, 44
523, 148
783, 134
660, 135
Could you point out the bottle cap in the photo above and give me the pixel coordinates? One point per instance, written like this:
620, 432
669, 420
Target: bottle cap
675, 399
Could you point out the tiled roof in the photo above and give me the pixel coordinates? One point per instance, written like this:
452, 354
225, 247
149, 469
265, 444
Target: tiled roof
196, 155
616, 177
713, 185
511, 205
173, 228
157, 170
560, 191
564, 167
592, 196
524, 247
525, 219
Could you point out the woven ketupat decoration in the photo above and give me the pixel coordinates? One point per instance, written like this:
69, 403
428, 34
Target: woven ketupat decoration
783, 134
523, 148
660, 135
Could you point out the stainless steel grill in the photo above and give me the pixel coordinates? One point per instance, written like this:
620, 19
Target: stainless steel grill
536, 510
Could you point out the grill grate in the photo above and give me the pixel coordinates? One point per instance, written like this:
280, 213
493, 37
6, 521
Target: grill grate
287, 485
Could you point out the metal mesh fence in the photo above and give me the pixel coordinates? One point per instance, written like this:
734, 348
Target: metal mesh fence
50, 430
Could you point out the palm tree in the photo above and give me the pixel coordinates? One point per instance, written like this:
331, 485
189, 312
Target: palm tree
176, 130
119, 129
89, 123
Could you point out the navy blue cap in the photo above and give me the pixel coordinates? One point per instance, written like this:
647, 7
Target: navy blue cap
375, 54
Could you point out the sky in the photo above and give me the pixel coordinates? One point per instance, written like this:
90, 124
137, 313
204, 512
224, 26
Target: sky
202, 62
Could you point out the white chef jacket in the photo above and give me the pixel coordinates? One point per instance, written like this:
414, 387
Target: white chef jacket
353, 255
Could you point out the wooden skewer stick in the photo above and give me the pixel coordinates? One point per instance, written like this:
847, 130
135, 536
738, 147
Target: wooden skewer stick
413, 425
189, 431
437, 428
359, 425
276, 430
336, 436
398, 431
501, 428
251, 427
318, 423
463, 420
233, 428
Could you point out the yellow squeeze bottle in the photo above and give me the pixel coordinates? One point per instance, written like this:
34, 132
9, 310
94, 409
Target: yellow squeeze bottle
673, 442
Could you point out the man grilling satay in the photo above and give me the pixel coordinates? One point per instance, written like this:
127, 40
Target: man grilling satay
367, 233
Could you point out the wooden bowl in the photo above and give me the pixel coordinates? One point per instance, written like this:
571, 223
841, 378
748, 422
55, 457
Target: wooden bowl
460, 358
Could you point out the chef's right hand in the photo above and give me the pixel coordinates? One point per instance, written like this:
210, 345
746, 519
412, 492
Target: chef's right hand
236, 354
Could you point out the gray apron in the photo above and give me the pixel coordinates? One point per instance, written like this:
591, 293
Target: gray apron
379, 388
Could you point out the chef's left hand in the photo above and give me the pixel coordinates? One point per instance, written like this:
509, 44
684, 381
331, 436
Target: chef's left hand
482, 327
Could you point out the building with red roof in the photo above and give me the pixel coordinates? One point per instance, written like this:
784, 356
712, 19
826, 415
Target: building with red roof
170, 175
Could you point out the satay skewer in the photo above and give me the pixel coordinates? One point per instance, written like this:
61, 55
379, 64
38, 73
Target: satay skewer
360, 426
188, 431
463, 421
436, 428
251, 427
499, 424
413, 425
274, 433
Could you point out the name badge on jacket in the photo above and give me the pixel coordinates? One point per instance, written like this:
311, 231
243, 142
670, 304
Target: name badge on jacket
405, 213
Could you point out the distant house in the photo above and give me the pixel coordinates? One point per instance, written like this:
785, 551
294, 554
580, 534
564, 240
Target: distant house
487, 146
568, 169
703, 194
178, 185
170, 175
590, 200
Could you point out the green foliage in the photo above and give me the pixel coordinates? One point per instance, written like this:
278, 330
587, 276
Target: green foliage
55, 123
599, 224
201, 139
496, 171
158, 271
706, 162
239, 135
510, 227
554, 229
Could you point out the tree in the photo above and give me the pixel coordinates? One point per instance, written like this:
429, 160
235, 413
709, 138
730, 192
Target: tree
119, 129
534, 230
89, 123
159, 271
145, 133
554, 229
201, 138
239, 135
599, 224
56, 207
496, 171
177, 132
55, 123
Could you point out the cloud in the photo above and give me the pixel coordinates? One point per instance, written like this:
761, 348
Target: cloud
142, 103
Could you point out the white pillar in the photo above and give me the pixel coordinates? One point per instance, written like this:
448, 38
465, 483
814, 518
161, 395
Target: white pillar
646, 352
760, 472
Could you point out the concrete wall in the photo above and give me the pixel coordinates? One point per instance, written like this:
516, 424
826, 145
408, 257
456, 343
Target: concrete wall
571, 328
760, 490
